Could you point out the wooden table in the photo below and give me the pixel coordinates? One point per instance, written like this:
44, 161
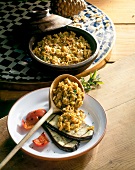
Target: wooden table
116, 95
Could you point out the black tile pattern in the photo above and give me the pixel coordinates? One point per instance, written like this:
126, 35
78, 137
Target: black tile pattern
15, 61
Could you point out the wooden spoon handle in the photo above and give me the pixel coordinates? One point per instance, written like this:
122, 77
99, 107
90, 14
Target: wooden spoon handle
29, 134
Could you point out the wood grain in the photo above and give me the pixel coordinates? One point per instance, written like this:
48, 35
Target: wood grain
125, 42
119, 83
120, 11
117, 151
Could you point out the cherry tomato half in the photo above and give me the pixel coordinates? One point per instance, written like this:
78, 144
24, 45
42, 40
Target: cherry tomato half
32, 118
42, 140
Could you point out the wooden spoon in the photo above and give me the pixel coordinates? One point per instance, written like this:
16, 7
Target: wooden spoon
52, 109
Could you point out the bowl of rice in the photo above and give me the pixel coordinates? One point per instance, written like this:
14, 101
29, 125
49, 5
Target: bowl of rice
67, 50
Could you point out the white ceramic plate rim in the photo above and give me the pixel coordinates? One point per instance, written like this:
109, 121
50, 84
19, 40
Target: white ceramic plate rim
95, 115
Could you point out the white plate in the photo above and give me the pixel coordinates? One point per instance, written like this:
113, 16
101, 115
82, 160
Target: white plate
95, 115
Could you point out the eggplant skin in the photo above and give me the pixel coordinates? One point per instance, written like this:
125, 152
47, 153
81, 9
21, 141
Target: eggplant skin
62, 142
82, 134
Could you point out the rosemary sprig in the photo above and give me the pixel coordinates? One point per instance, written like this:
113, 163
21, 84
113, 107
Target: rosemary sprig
92, 83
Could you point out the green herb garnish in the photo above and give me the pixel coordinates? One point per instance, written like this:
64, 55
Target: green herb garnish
92, 83
74, 91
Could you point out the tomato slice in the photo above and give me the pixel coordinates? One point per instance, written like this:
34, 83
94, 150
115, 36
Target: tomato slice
42, 140
36, 113
32, 118
29, 124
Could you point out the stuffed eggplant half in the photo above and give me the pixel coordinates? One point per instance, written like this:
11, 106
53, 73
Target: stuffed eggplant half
62, 142
67, 140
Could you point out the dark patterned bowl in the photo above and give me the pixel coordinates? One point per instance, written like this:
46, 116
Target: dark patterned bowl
74, 69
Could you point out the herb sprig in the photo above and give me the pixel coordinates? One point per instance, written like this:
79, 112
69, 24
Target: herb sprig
92, 83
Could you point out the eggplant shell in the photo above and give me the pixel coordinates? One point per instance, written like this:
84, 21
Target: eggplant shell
62, 142
82, 134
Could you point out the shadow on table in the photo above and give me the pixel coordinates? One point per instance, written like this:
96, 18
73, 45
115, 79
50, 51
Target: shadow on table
5, 107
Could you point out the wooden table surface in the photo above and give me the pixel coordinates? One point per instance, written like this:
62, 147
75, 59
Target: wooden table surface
116, 95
